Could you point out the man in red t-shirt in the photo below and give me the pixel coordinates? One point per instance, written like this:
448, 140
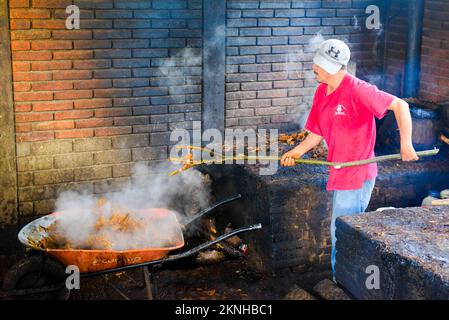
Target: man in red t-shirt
342, 114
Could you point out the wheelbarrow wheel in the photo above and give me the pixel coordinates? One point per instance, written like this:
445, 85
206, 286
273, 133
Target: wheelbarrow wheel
36, 272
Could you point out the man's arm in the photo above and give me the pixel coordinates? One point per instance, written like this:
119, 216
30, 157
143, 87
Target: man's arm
404, 120
312, 140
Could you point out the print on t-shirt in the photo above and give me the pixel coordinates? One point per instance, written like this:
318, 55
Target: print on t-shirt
340, 110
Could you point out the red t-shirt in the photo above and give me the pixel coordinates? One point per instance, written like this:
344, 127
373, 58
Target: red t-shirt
345, 119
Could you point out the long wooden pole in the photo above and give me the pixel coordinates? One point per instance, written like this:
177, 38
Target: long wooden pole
337, 165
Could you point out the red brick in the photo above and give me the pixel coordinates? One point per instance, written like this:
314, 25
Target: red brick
31, 76
48, 24
19, 3
93, 84
445, 44
51, 65
73, 94
54, 125
428, 86
33, 117
112, 131
21, 86
52, 105
112, 93
72, 34
51, 45
444, 83
93, 103
31, 55
34, 136
434, 96
438, 71
71, 134
436, 53
113, 112
19, 24
72, 75
30, 13
133, 120
22, 107
33, 96
51, 3
30, 34
430, 42
20, 66
75, 114
73, 54
89, 44
23, 127
92, 123
52, 86
20, 45
91, 64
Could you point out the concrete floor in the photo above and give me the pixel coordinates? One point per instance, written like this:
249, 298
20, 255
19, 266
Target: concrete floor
230, 280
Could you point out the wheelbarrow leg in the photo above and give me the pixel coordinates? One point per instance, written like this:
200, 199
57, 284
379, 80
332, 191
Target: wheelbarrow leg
148, 277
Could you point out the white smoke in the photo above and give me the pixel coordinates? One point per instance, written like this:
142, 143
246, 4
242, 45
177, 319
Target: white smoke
356, 23
314, 42
149, 187
374, 78
176, 68
295, 67
300, 118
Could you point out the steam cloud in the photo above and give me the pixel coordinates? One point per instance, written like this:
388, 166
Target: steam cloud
149, 187
294, 68
176, 68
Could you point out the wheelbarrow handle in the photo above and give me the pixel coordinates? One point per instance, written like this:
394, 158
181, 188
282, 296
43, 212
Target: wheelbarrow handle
209, 209
212, 242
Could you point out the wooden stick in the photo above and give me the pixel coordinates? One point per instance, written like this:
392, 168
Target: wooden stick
384, 158
336, 165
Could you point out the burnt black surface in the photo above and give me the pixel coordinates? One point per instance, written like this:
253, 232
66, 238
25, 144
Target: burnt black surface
295, 208
409, 247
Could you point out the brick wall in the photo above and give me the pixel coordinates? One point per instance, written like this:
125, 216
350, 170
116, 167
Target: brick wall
89, 103
435, 52
269, 82
396, 42
434, 84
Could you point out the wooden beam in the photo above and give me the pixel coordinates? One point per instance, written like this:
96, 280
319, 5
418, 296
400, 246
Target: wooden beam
214, 64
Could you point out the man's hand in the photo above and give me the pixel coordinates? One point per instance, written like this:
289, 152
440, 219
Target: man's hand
408, 153
288, 158
402, 113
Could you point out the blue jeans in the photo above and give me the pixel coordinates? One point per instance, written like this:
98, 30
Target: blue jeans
348, 202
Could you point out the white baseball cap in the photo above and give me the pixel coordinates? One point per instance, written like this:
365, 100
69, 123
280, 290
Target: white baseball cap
332, 55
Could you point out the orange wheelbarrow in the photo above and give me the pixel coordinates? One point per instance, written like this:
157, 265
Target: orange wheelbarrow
42, 274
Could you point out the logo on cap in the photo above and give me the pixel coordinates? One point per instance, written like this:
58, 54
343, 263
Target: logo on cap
331, 52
